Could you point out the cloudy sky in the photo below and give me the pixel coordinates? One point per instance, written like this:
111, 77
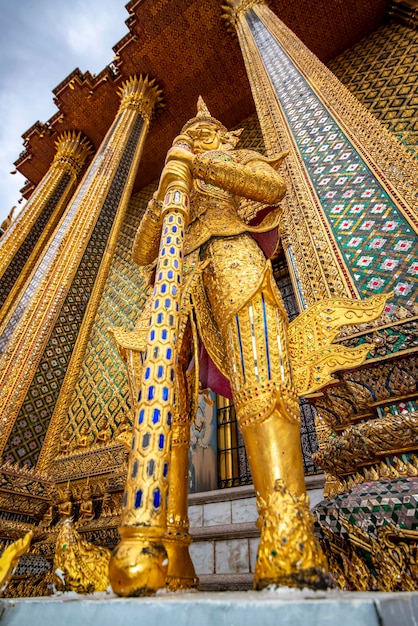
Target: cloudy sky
41, 42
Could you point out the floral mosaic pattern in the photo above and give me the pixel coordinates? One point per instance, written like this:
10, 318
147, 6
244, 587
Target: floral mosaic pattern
377, 243
382, 72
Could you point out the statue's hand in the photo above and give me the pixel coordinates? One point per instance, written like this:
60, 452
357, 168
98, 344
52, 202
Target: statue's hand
177, 173
179, 153
178, 167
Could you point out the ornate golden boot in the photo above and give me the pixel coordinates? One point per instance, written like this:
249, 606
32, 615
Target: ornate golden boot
288, 554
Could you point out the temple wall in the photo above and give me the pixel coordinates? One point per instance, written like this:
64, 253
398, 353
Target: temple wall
381, 71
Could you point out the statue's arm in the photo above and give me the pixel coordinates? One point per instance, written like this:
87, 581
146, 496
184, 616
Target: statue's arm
147, 239
255, 180
177, 170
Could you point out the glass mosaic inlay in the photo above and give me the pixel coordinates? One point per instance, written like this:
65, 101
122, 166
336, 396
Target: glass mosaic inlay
50, 255
29, 431
377, 243
22, 255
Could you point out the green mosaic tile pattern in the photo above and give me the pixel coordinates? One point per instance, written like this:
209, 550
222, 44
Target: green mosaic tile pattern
400, 407
102, 387
377, 243
370, 505
390, 340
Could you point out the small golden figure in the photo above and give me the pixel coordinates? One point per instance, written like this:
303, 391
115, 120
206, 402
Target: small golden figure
86, 507
107, 505
65, 442
84, 439
65, 506
124, 432
104, 433
46, 521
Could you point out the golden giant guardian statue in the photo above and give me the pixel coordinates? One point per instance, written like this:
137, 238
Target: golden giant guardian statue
216, 315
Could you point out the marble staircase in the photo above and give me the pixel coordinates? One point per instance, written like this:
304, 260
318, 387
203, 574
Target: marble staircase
225, 536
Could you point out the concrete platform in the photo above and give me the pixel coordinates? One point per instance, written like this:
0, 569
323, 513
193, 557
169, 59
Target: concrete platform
282, 607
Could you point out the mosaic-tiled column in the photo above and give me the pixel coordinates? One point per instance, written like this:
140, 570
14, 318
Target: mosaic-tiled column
350, 229
23, 242
64, 291
349, 218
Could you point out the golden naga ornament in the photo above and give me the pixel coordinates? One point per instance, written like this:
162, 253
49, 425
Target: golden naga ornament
216, 314
386, 562
366, 443
10, 558
313, 356
78, 564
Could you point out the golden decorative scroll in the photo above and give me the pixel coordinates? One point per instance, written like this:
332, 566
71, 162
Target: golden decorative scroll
10, 557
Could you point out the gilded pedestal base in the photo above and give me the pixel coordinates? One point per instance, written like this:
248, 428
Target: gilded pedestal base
138, 566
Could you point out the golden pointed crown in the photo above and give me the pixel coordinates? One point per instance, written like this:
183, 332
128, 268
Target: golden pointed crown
203, 115
202, 109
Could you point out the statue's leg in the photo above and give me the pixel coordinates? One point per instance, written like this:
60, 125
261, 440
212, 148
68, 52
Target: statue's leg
181, 573
250, 315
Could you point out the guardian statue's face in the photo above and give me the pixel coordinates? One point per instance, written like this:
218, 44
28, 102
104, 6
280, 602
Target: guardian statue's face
205, 137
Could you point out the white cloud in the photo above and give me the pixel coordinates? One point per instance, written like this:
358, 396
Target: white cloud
90, 32
40, 44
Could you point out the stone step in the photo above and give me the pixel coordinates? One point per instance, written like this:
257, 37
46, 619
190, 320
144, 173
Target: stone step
287, 607
226, 582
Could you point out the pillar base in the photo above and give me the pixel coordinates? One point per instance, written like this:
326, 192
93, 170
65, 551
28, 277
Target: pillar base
138, 566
